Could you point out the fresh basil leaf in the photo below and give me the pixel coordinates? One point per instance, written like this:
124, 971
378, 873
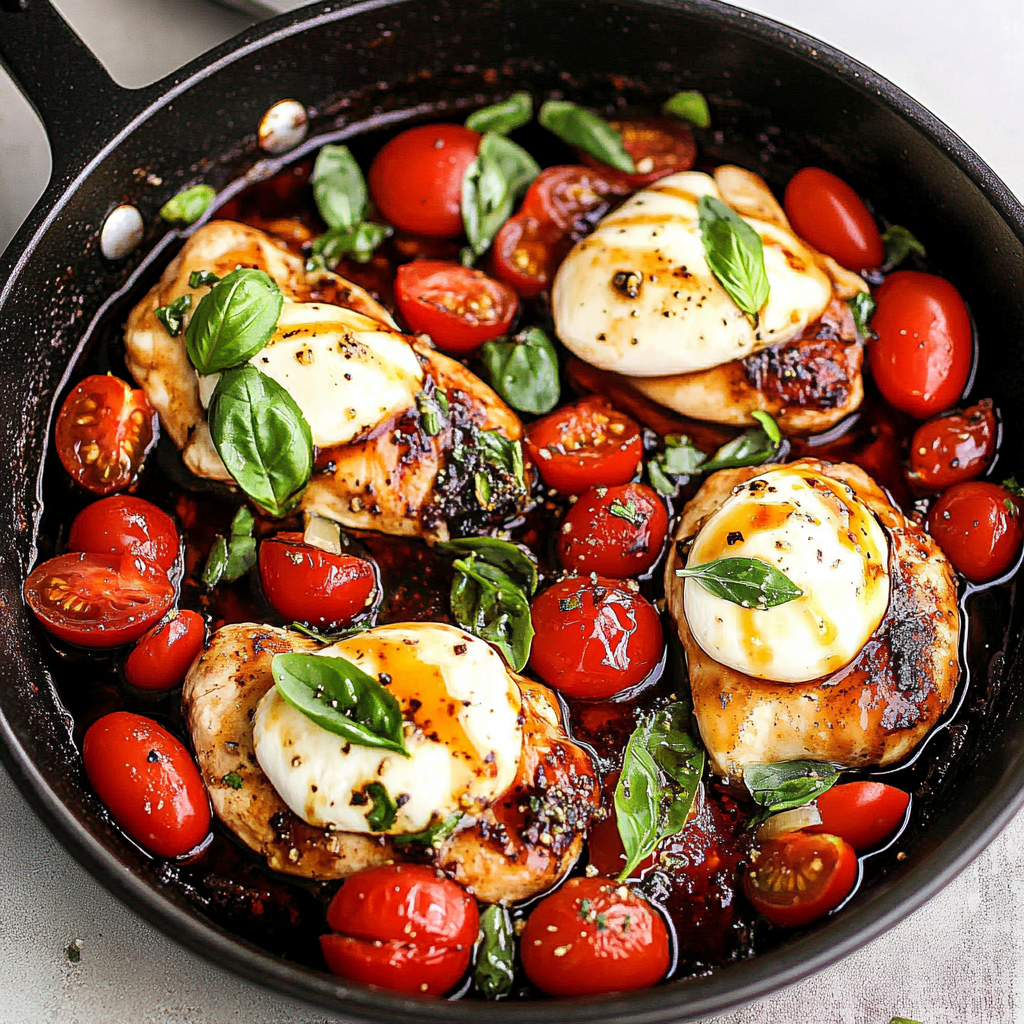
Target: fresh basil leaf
327, 638
585, 130
735, 255
628, 511
493, 965
752, 448
503, 454
202, 278
384, 811
787, 784
433, 835
262, 437
659, 481
517, 561
502, 118
689, 105
233, 321
216, 562
188, 206
232, 779
241, 546
524, 370
358, 243
899, 244
432, 405
1010, 484
172, 316
341, 698
745, 581
675, 464
339, 188
661, 769
493, 182
768, 425
863, 307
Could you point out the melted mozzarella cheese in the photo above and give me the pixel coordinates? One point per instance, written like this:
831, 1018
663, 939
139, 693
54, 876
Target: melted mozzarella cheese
462, 731
818, 533
638, 297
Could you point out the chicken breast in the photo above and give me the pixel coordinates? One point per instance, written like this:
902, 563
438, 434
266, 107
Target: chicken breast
880, 703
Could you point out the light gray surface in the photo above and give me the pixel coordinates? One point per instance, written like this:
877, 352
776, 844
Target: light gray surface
959, 959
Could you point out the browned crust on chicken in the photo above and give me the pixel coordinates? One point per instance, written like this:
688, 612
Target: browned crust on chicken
872, 712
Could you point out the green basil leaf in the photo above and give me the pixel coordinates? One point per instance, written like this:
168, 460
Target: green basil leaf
433, 835
735, 255
358, 243
172, 316
585, 130
493, 182
787, 784
673, 466
202, 278
752, 448
188, 206
661, 769
502, 118
745, 581
339, 188
524, 370
216, 563
899, 244
659, 481
327, 638
341, 698
768, 425
689, 105
232, 779
863, 307
432, 404
233, 321
494, 963
628, 511
384, 811
241, 546
263, 439
518, 562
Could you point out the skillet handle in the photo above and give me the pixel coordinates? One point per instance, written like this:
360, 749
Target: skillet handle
80, 105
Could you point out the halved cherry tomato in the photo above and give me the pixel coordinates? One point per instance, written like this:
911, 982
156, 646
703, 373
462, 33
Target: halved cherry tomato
658, 146
588, 444
825, 211
614, 531
112, 526
458, 307
953, 447
416, 178
979, 527
922, 356
98, 600
594, 637
306, 584
796, 878
594, 936
526, 253
426, 970
148, 782
571, 197
862, 813
162, 658
104, 430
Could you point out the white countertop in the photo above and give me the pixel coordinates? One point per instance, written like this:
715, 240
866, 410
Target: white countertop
958, 959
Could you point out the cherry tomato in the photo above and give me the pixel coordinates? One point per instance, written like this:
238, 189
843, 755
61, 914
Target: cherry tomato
796, 878
571, 197
954, 447
862, 813
824, 210
416, 178
978, 525
148, 782
526, 253
594, 637
458, 307
98, 600
588, 444
162, 658
306, 584
104, 430
614, 531
112, 526
594, 936
922, 356
658, 146
426, 970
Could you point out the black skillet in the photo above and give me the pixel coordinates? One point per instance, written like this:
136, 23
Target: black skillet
780, 100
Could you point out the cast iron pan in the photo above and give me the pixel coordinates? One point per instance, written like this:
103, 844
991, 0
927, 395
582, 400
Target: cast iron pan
780, 100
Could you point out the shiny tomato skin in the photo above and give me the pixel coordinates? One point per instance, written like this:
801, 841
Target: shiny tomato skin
594, 539
658, 146
863, 813
952, 448
614, 942
460, 308
98, 600
594, 638
415, 179
162, 658
526, 253
922, 357
798, 877
826, 212
571, 197
114, 525
587, 444
149, 783
979, 527
412, 968
305, 584
405, 903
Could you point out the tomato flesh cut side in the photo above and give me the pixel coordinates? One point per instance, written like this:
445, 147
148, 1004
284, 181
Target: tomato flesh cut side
658, 146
